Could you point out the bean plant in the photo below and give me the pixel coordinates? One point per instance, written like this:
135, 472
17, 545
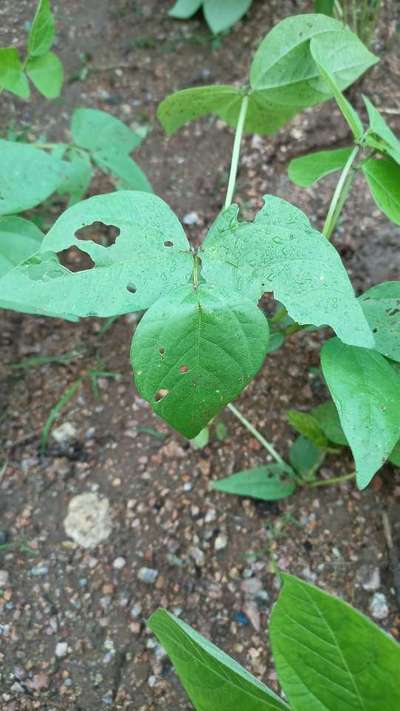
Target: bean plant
220, 16
203, 337
327, 656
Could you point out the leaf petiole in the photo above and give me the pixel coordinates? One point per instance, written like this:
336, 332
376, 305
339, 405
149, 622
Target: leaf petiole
236, 151
272, 451
341, 193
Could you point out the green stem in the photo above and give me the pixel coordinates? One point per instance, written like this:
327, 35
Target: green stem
341, 194
236, 151
333, 480
257, 435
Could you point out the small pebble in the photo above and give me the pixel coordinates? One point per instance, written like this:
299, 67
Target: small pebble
40, 569
378, 606
64, 433
220, 542
119, 563
191, 218
148, 575
4, 578
198, 556
61, 649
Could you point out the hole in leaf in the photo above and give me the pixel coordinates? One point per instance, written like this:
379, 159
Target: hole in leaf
131, 288
168, 243
374, 330
75, 260
184, 369
161, 394
162, 351
99, 233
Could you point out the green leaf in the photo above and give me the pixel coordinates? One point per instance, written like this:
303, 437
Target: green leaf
78, 177
276, 340
325, 50
366, 392
212, 679
329, 656
41, 35
194, 351
19, 240
305, 457
280, 252
379, 135
395, 456
221, 16
307, 170
327, 417
27, 176
325, 7
270, 482
381, 305
127, 276
124, 168
308, 426
183, 9
383, 178
202, 439
284, 70
12, 77
47, 74
97, 131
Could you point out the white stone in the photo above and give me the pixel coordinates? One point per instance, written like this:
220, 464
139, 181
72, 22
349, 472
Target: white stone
119, 563
61, 649
378, 606
88, 521
64, 433
148, 575
4, 578
220, 542
191, 218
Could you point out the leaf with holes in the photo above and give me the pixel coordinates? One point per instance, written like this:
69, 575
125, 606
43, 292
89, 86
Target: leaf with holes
307, 170
211, 678
194, 351
379, 135
381, 305
19, 240
270, 482
46, 73
149, 257
282, 253
12, 77
366, 392
383, 178
329, 656
22, 165
41, 34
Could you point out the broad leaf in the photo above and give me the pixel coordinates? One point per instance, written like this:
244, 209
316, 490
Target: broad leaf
270, 482
383, 178
305, 457
183, 9
307, 170
97, 131
130, 176
327, 417
47, 74
307, 425
78, 177
366, 392
381, 305
194, 351
325, 49
19, 240
280, 252
27, 176
221, 16
212, 679
12, 77
379, 135
285, 71
41, 35
329, 656
127, 276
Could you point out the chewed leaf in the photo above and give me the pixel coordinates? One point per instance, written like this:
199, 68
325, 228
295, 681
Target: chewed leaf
150, 256
194, 351
282, 253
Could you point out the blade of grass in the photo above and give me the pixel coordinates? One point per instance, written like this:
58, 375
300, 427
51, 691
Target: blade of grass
55, 411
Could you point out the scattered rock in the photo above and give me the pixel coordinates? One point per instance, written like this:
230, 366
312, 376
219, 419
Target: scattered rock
221, 542
89, 520
378, 606
251, 586
119, 563
4, 578
191, 218
65, 433
148, 575
61, 649
198, 556
40, 569
369, 577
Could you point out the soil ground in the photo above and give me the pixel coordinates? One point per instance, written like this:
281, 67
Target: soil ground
124, 57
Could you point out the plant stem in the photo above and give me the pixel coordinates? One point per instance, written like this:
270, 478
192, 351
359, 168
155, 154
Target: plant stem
236, 151
341, 194
257, 434
330, 482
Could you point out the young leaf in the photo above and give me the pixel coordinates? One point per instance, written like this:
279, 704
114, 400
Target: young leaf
307, 170
307, 425
305, 457
221, 16
329, 656
381, 305
325, 50
47, 74
127, 170
383, 178
22, 165
283, 68
280, 252
183, 9
97, 130
212, 679
78, 177
327, 417
270, 482
194, 351
12, 77
379, 135
366, 392
41, 35
19, 240
127, 276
